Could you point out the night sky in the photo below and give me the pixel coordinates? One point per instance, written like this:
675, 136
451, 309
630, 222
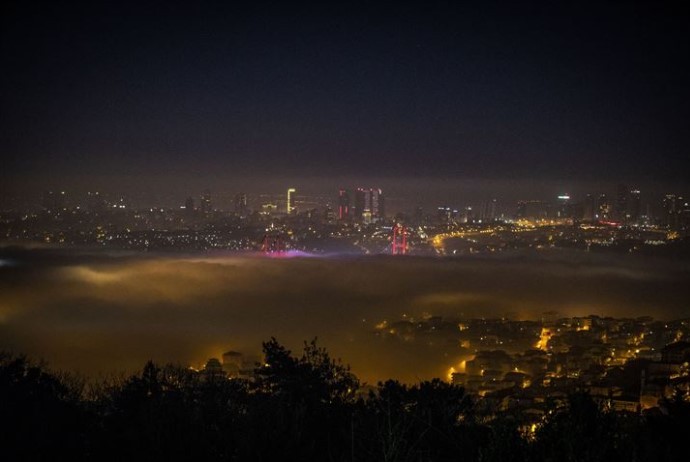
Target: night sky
591, 90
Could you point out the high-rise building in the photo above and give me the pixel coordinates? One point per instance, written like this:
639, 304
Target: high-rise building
603, 208
369, 205
675, 211
589, 211
362, 200
563, 210
343, 205
290, 204
621, 208
684, 214
634, 207
241, 205
487, 213
533, 210
205, 203
377, 204
444, 215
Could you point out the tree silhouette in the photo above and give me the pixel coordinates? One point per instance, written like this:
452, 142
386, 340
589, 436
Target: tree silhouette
41, 414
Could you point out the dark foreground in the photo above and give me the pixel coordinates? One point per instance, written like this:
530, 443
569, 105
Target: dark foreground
306, 407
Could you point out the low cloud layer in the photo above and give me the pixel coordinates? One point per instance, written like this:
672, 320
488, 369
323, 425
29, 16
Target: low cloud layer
105, 313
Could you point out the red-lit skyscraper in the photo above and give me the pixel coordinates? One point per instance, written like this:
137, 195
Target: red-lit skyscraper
343, 205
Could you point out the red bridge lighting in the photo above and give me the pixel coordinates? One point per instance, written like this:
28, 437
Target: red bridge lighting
399, 244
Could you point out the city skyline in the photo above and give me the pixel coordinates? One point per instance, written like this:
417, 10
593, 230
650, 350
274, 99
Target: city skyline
471, 217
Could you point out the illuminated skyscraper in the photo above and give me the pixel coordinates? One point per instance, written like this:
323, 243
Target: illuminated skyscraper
290, 204
369, 204
377, 204
361, 202
343, 205
603, 208
487, 214
563, 209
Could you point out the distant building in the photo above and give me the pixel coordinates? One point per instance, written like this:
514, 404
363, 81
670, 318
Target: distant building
362, 201
268, 209
634, 207
343, 205
676, 353
237, 365
290, 203
377, 204
676, 212
533, 210
603, 208
241, 205
621, 208
205, 203
189, 207
564, 209
369, 205
589, 211
444, 215
487, 213
213, 370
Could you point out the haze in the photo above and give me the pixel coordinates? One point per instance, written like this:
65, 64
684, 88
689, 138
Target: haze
100, 314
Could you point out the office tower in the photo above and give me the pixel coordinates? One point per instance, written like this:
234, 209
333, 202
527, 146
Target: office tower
468, 215
521, 212
443, 215
205, 203
361, 203
241, 204
369, 205
603, 208
290, 205
377, 204
621, 209
634, 206
533, 210
563, 207
487, 213
674, 210
343, 205
683, 214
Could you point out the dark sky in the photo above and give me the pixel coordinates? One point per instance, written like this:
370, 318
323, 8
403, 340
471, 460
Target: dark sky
580, 90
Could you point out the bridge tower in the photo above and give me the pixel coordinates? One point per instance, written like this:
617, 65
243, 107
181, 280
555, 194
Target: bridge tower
399, 241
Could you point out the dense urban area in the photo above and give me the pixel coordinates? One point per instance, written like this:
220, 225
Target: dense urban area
354, 221
524, 389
